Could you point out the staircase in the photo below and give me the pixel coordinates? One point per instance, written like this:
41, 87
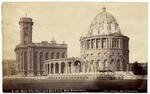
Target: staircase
125, 75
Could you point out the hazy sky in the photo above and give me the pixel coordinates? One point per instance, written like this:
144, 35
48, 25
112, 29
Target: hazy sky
69, 21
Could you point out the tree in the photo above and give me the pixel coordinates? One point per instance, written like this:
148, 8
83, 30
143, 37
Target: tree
137, 69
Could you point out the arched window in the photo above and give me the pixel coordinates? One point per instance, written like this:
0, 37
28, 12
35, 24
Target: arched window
63, 55
46, 56
62, 67
56, 68
52, 55
77, 65
57, 55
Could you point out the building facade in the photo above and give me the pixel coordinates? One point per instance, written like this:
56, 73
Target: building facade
103, 48
30, 56
9, 67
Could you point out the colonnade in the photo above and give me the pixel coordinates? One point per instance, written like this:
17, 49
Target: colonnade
84, 67
30, 61
106, 42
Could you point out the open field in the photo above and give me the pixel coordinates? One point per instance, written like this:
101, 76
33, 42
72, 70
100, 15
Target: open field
75, 85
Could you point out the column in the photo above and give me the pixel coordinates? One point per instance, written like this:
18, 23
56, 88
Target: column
119, 43
50, 72
23, 61
38, 60
28, 60
32, 60
65, 71
106, 42
72, 68
90, 44
83, 67
85, 44
110, 42
59, 64
95, 43
17, 61
67, 67
54, 68
20, 61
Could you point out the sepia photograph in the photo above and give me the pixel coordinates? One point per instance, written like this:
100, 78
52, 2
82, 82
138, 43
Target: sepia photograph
58, 47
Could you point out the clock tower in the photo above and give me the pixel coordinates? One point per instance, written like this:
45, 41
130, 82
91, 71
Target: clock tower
25, 30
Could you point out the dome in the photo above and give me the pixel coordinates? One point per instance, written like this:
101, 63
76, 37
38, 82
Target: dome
104, 23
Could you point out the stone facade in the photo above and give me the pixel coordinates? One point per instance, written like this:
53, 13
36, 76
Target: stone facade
104, 48
30, 56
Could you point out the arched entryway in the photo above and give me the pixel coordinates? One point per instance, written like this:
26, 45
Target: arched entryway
62, 67
112, 65
124, 65
77, 66
105, 65
52, 68
97, 65
56, 68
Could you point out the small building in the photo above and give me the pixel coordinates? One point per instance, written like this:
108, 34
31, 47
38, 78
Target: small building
9, 67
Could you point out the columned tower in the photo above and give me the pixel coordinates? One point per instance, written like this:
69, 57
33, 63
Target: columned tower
25, 30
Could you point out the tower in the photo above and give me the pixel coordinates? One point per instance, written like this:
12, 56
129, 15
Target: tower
25, 30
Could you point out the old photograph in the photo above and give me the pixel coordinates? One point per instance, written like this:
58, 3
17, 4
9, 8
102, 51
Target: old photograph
74, 47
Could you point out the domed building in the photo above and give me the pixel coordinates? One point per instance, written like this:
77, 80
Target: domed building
104, 47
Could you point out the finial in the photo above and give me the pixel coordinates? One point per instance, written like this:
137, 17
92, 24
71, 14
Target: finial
53, 39
26, 14
104, 8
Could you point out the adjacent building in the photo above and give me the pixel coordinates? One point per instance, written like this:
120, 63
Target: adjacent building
9, 67
30, 56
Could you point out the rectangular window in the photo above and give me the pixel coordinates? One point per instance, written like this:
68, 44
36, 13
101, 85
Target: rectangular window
52, 55
93, 44
103, 42
57, 55
115, 42
46, 56
88, 44
98, 43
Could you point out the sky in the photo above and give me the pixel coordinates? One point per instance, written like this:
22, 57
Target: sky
69, 21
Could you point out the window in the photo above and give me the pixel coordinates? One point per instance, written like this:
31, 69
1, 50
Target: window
46, 56
98, 45
52, 55
57, 55
93, 44
88, 44
63, 55
115, 42
104, 43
